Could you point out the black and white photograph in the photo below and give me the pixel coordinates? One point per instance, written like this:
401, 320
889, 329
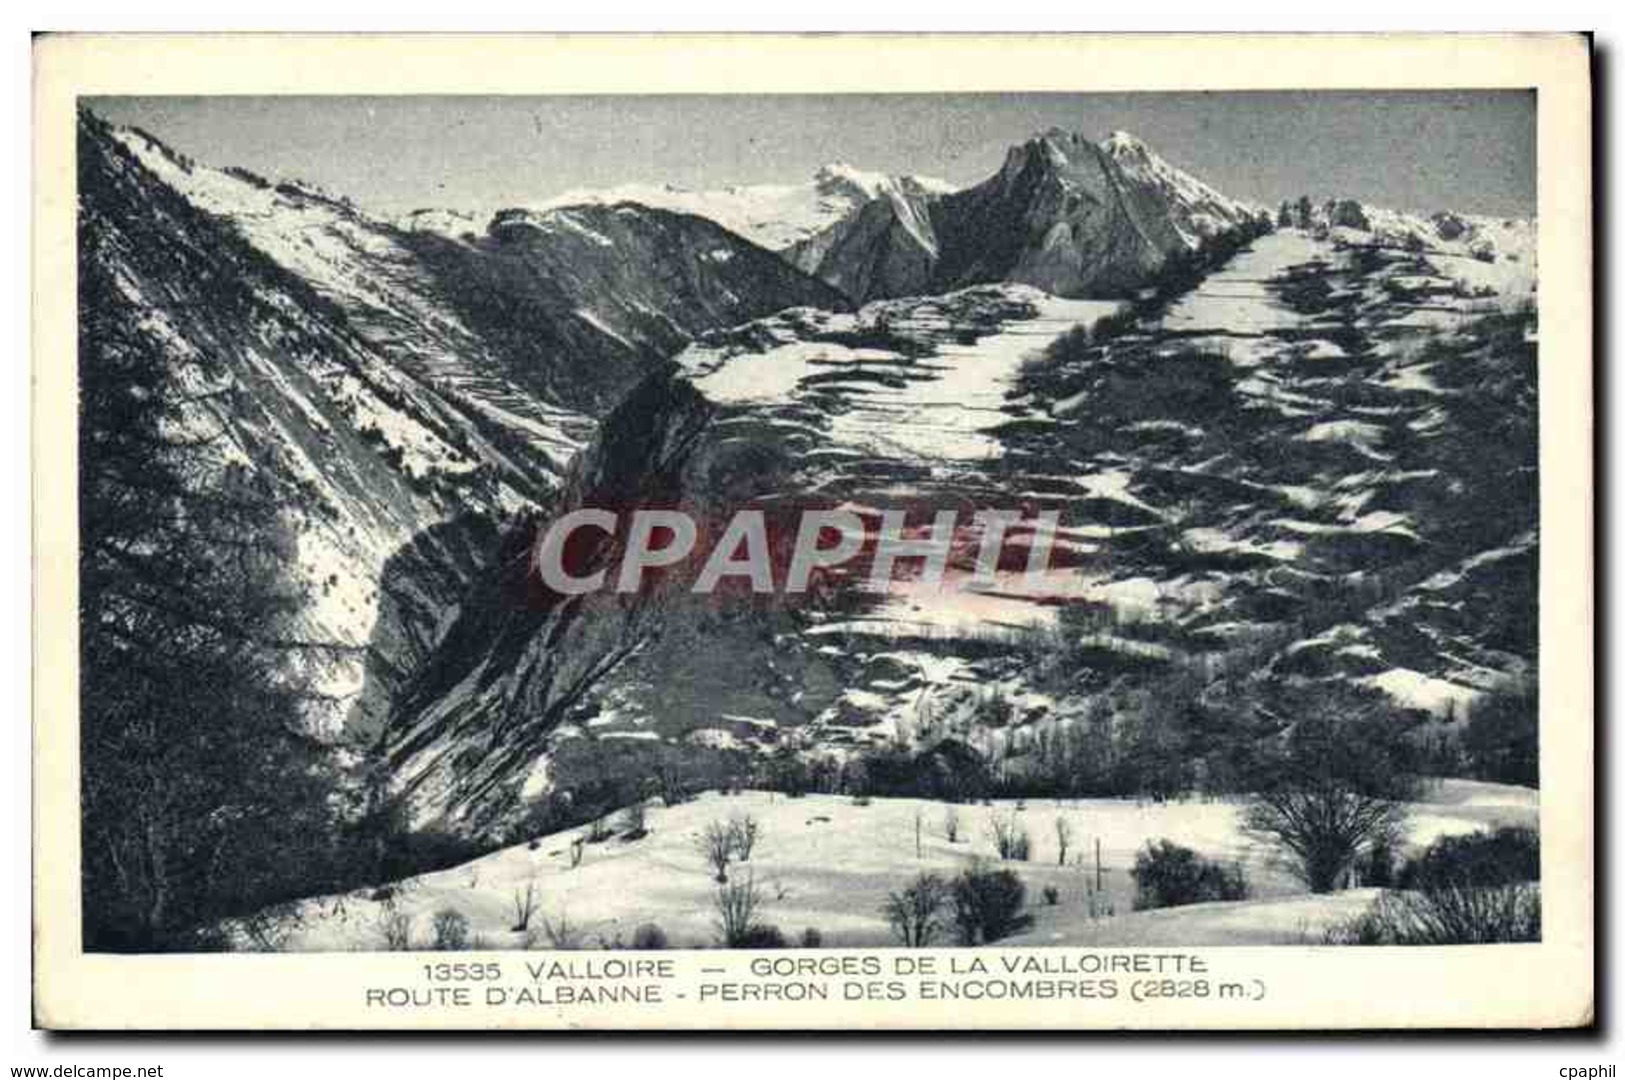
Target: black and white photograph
585, 525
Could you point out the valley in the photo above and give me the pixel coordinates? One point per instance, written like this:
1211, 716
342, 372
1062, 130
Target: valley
1279, 469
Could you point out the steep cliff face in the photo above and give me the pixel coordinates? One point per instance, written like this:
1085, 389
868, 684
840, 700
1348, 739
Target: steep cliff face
389, 298
534, 319
891, 406
885, 247
470, 737
1075, 218
1389, 549
1064, 214
363, 455
407, 391
577, 301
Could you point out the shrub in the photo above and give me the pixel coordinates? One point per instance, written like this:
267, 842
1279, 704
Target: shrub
987, 905
1335, 794
396, 927
915, 914
1052, 895
649, 936
743, 833
1502, 740
635, 821
450, 930
761, 936
1451, 915
950, 824
788, 773
1010, 838
1113, 326
524, 905
1063, 839
1169, 875
737, 905
561, 932
410, 853
716, 846
1504, 857
812, 938
673, 786
1378, 868
268, 929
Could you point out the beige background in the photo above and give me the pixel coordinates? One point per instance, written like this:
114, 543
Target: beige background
1510, 985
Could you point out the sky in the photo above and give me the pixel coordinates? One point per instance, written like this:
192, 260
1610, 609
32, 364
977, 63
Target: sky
1469, 151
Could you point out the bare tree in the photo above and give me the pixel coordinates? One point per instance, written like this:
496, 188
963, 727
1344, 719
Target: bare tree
561, 932
716, 846
1324, 828
916, 913
524, 906
395, 926
737, 906
950, 823
1336, 789
673, 786
1010, 838
635, 821
744, 830
1063, 838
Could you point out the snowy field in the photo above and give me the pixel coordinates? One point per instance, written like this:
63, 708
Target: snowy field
931, 411
826, 862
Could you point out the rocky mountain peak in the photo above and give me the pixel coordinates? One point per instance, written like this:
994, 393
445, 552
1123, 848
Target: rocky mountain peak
839, 176
1120, 144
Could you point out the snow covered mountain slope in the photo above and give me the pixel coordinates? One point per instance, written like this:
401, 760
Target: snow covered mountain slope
386, 293
1390, 555
1196, 210
392, 488
736, 420
581, 300
884, 247
1494, 256
428, 398
774, 216
1076, 218
535, 318
406, 390
1064, 214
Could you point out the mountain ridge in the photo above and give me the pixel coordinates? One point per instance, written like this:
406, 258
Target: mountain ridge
457, 378
429, 395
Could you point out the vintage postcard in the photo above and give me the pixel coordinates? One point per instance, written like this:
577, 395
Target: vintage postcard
813, 532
